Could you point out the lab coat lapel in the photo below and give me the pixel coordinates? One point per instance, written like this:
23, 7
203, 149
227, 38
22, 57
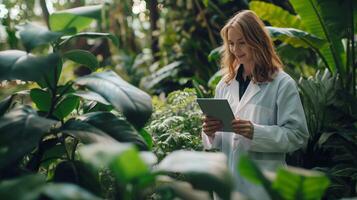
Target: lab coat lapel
252, 90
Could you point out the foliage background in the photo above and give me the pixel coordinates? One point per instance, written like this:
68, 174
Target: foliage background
165, 46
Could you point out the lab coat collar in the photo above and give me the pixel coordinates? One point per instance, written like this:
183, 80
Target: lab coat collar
252, 90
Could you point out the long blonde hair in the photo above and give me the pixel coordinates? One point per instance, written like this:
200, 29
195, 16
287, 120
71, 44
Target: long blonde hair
266, 61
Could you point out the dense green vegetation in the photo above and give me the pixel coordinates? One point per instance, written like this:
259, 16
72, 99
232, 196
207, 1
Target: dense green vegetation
97, 101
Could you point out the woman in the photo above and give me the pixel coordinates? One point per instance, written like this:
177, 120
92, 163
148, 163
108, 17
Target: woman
269, 117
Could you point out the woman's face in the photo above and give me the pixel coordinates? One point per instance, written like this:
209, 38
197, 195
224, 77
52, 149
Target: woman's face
238, 46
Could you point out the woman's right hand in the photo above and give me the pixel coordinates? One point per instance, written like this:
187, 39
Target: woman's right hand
211, 125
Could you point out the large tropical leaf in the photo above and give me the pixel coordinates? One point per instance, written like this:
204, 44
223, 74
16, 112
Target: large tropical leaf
134, 103
322, 18
83, 57
5, 104
296, 38
123, 159
15, 64
249, 170
86, 133
274, 15
78, 173
317, 94
33, 35
92, 96
207, 171
295, 183
32, 187
117, 128
20, 132
79, 18
165, 72
91, 35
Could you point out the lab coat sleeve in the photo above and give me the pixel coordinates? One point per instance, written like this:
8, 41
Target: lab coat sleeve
291, 131
214, 142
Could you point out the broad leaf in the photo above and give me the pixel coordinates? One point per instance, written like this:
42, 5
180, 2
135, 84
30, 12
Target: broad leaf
274, 15
15, 64
92, 35
296, 38
117, 128
25, 187
86, 133
66, 106
77, 173
323, 19
147, 137
41, 98
20, 132
122, 159
33, 35
294, 183
79, 18
206, 171
92, 96
66, 191
134, 103
215, 54
5, 104
83, 57
33, 187
165, 72
249, 170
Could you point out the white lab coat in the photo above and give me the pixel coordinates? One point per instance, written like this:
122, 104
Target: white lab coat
279, 122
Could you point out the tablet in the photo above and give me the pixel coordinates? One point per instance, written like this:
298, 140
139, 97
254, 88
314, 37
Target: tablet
219, 109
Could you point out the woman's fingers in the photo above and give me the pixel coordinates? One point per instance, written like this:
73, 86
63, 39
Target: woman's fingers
243, 127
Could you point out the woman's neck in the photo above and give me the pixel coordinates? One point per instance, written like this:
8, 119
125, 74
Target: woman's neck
248, 70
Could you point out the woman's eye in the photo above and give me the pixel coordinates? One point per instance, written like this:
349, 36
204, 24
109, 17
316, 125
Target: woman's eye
242, 43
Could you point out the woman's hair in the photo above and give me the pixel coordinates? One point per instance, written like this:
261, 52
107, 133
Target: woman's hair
266, 61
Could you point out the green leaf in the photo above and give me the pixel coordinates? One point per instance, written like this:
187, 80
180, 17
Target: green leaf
147, 137
83, 57
215, 54
214, 80
77, 173
273, 14
33, 35
91, 35
79, 18
117, 128
27, 128
66, 106
41, 98
163, 73
33, 187
15, 64
205, 171
295, 37
294, 183
5, 104
123, 160
25, 187
66, 191
249, 170
326, 19
134, 103
92, 96
86, 133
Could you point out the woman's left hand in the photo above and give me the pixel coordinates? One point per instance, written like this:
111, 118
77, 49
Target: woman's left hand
243, 127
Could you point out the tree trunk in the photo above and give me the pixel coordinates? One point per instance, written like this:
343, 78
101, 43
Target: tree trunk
45, 12
154, 16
